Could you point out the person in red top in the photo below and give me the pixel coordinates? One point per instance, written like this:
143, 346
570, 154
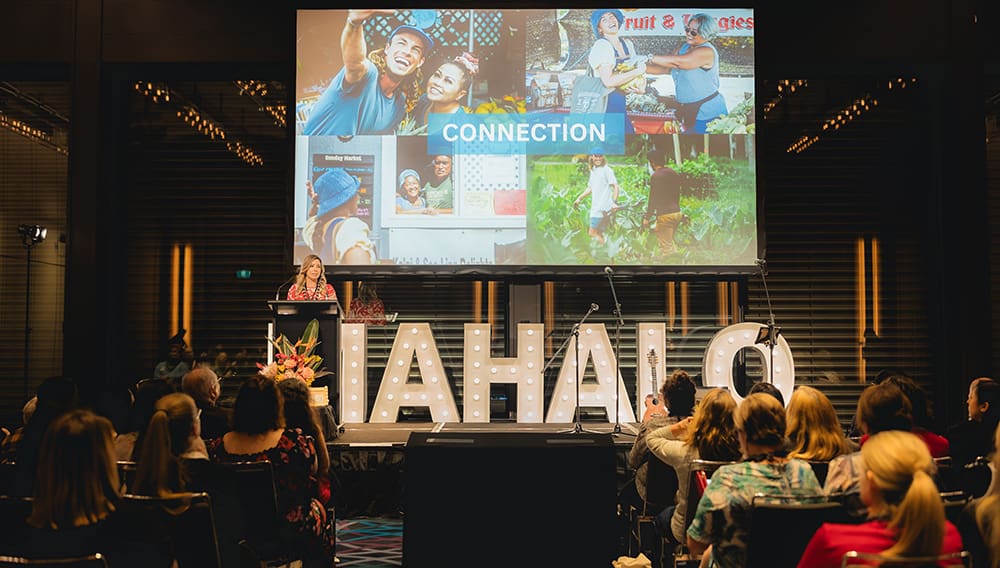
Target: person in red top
366, 307
311, 282
906, 515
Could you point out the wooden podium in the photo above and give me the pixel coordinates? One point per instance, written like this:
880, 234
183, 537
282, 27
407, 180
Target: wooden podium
290, 319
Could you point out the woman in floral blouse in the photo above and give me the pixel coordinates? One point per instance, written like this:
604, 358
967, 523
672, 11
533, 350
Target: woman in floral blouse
311, 282
259, 435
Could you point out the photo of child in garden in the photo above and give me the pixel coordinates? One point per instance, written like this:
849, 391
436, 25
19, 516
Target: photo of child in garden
668, 200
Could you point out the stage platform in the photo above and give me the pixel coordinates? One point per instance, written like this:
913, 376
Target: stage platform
395, 435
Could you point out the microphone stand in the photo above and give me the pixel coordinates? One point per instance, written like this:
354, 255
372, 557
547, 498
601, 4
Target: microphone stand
772, 330
617, 431
277, 293
574, 333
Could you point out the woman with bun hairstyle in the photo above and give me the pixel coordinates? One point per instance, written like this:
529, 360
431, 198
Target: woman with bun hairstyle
446, 88
905, 512
720, 528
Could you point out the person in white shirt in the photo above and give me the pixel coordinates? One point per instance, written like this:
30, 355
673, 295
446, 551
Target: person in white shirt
604, 187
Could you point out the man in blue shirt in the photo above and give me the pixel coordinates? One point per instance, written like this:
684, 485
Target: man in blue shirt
369, 94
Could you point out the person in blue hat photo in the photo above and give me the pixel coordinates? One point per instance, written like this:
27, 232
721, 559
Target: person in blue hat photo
340, 237
408, 199
373, 91
608, 51
604, 187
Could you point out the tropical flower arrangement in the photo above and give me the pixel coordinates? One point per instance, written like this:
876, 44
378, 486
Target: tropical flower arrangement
296, 360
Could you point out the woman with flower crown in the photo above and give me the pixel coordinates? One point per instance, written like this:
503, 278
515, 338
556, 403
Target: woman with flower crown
446, 88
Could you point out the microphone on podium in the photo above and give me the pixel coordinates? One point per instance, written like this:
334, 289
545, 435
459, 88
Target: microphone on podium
277, 293
594, 307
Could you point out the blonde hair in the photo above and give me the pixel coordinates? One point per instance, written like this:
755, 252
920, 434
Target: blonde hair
300, 279
762, 419
901, 466
988, 510
713, 432
77, 480
813, 427
160, 472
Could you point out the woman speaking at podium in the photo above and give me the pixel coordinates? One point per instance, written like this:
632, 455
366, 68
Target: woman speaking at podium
311, 284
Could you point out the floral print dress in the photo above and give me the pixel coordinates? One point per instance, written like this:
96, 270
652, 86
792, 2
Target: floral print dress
296, 486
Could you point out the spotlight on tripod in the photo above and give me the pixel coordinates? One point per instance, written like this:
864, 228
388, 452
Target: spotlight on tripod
31, 235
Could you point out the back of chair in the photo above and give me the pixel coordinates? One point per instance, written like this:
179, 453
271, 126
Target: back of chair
779, 532
701, 472
257, 499
661, 485
14, 513
126, 474
976, 477
820, 469
854, 559
7, 473
954, 502
188, 521
93, 561
947, 477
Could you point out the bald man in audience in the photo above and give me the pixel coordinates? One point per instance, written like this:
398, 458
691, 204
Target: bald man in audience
202, 384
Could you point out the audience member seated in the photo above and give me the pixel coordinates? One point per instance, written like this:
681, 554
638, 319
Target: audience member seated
56, 396
259, 435
366, 307
8, 446
710, 435
76, 491
814, 432
147, 392
676, 402
721, 524
973, 438
298, 414
768, 388
202, 384
173, 460
881, 407
174, 366
980, 521
923, 417
906, 515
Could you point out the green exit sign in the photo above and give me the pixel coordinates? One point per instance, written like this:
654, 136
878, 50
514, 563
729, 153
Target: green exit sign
243, 274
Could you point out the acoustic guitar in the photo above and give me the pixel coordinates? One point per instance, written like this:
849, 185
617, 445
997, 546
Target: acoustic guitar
654, 405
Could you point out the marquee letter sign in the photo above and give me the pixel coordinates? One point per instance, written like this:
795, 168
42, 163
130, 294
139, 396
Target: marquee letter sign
481, 371
433, 390
594, 343
717, 370
353, 372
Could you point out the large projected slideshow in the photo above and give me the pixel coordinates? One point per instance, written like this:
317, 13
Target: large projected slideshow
531, 138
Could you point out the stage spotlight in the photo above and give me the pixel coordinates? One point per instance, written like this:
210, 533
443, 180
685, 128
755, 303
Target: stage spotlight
31, 234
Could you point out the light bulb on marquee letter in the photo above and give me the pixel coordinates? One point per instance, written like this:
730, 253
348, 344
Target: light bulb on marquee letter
521, 370
434, 390
594, 343
717, 366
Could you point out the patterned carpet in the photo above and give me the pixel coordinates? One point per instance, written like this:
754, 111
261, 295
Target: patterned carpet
370, 542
